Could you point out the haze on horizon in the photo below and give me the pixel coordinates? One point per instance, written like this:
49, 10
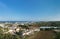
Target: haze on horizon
29, 10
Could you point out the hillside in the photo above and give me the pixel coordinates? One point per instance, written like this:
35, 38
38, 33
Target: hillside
43, 35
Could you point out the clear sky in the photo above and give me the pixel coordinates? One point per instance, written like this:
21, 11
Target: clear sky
29, 10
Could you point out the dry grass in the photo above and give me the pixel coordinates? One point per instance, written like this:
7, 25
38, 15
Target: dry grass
43, 35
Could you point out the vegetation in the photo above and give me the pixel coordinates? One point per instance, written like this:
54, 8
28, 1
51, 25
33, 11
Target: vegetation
39, 35
8, 36
57, 36
49, 23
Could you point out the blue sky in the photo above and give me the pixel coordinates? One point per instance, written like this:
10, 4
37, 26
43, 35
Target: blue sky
29, 10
